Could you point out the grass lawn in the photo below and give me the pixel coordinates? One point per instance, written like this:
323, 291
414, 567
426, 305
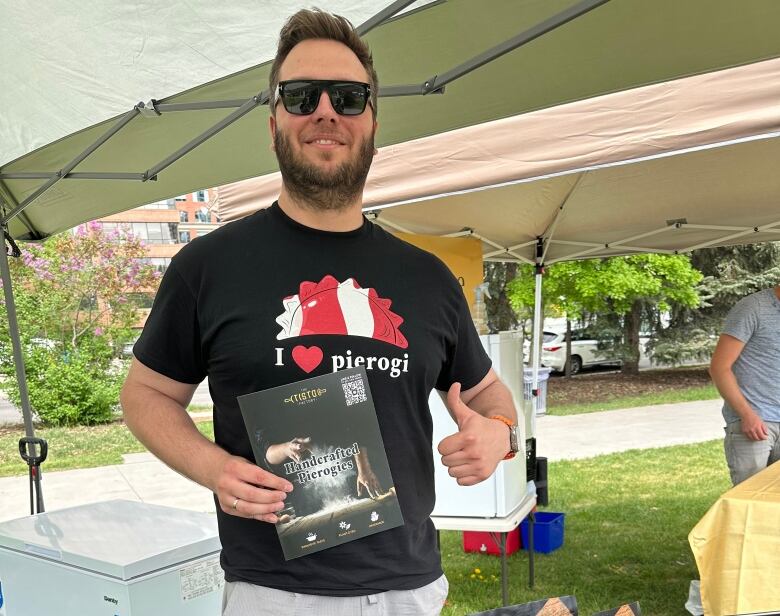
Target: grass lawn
688, 394
627, 520
199, 408
593, 391
78, 447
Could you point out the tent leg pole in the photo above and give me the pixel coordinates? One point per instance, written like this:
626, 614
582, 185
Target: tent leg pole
536, 354
13, 330
21, 377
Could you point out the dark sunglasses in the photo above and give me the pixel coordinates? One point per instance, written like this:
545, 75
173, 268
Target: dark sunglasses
302, 96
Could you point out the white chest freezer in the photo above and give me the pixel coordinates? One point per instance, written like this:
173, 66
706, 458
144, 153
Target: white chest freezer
502, 493
115, 558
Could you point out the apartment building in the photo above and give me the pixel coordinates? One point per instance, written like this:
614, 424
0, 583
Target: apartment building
165, 226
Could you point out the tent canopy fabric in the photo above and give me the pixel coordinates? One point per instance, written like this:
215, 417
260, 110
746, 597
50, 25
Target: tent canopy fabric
613, 47
96, 64
662, 168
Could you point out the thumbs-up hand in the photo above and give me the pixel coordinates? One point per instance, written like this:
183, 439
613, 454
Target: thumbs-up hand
474, 451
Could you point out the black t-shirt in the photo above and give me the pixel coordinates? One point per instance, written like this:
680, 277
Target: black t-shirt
266, 301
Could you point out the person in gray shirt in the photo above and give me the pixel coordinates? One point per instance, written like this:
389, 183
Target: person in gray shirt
745, 368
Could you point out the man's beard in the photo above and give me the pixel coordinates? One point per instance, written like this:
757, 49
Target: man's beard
320, 189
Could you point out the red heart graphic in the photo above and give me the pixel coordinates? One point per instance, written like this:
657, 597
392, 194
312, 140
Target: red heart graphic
307, 359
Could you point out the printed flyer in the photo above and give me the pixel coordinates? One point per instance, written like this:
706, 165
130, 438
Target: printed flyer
322, 435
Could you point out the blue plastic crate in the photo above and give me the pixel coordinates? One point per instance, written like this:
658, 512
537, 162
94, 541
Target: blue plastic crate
548, 531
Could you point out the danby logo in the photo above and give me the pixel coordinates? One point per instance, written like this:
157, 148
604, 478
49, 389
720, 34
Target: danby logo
108, 599
305, 396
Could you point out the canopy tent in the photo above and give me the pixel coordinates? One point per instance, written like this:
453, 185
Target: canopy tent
76, 145
92, 70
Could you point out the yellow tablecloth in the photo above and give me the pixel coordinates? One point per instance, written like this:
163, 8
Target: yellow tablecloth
737, 548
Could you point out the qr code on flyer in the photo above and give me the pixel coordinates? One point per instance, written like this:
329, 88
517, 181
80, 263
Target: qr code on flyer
354, 390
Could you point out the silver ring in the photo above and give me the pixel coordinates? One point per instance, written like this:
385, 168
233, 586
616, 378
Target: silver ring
235, 504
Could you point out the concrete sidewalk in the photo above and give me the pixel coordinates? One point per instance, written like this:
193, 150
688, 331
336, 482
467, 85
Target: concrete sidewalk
594, 434
143, 478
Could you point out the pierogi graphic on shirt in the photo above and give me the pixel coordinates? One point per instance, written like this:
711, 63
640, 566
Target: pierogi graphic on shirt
345, 309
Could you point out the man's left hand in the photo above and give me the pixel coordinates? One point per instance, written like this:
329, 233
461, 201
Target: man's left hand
474, 451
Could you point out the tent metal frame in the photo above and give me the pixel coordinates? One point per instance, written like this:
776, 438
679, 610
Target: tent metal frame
508, 254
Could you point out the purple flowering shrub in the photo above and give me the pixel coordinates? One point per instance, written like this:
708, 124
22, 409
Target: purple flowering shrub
73, 298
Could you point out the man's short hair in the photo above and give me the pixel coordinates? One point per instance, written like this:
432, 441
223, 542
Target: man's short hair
317, 24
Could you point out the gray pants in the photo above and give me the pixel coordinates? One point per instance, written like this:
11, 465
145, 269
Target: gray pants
746, 457
242, 599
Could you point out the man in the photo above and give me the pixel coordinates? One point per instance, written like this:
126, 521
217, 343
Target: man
291, 292
746, 370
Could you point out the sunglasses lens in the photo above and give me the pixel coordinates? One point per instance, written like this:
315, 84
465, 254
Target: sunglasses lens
349, 98
302, 97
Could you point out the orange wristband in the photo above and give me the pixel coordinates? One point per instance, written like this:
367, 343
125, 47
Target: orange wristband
508, 423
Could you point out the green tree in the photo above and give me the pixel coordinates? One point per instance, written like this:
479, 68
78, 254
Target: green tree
730, 273
74, 298
623, 291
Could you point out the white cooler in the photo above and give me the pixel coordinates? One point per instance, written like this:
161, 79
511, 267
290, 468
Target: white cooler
115, 558
502, 493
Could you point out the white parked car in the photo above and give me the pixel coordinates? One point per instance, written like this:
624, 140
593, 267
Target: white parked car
584, 351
